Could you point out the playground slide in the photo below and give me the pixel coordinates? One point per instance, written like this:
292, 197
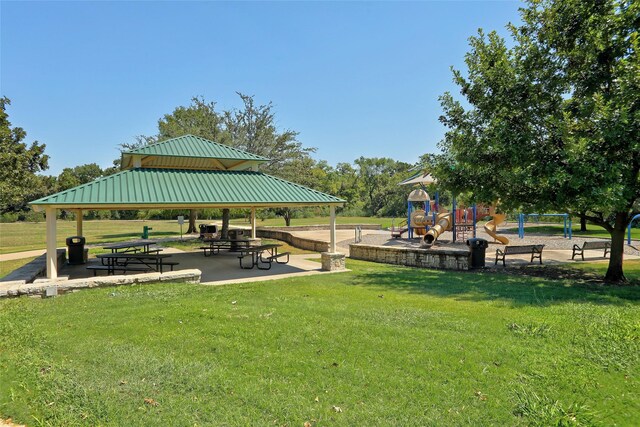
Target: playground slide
443, 223
491, 227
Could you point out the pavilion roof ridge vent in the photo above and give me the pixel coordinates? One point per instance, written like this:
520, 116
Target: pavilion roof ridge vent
190, 152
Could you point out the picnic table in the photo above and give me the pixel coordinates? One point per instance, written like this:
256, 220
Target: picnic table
258, 258
129, 261
216, 244
143, 246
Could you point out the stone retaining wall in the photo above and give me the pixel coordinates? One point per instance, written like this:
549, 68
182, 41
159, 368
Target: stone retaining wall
446, 259
40, 286
295, 241
37, 267
324, 227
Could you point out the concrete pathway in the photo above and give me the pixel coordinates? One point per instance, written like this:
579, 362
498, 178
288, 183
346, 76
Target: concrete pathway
21, 255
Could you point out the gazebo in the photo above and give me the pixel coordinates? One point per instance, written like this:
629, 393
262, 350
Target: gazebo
187, 172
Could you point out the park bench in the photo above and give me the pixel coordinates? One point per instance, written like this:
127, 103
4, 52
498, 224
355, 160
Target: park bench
276, 256
257, 257
216, 244
601, 244
534, 250
112, 269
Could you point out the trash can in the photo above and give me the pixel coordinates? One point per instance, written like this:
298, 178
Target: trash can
75, 248
477, 249
235, 234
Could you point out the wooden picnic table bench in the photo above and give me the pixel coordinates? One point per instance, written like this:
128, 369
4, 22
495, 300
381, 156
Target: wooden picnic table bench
256, 253
600, 244
132, 262
534, 250
216, 244
134, 246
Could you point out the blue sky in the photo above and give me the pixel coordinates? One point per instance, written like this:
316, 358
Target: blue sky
354, 78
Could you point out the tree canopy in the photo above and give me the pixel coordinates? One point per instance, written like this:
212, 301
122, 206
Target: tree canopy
19, 165
553, 122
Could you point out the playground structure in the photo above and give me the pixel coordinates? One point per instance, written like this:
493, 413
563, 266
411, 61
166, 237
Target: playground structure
491, 227
522, 218
425, 217
629, 228
443, 223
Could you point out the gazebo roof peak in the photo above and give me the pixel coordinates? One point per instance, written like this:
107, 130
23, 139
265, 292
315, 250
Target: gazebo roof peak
190, 152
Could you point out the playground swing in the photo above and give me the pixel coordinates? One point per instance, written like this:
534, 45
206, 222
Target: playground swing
567, 225
629, 228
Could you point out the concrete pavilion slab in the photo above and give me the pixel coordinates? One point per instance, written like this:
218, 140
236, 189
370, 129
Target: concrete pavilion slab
223, 268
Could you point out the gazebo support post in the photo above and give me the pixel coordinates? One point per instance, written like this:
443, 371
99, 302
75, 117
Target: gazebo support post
79, 222
332, 260
332, 229
253, 223
52, 253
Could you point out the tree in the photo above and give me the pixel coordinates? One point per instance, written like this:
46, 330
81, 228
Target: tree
379, 179
554, 121
19, 165
253, 128
72, 177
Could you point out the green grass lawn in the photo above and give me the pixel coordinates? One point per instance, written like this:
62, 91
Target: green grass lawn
24, 236
381, 345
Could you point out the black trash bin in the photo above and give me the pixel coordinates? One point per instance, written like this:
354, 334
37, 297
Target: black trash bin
477, 247
75, 249
235, 234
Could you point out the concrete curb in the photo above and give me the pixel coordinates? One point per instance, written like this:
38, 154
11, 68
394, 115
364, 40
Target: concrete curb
42, 286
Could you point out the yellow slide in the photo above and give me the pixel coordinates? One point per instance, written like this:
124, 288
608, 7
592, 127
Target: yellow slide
443, 223
492, 226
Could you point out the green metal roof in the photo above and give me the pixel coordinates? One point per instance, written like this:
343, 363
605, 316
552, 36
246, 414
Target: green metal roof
191, 152
140, 188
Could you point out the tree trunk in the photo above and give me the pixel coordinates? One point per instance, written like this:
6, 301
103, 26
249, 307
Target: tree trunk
615, 273
193, 217
224, 233
287, 217
583, 221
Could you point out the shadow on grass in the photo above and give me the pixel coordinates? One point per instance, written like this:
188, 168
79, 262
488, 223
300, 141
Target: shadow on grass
485, 286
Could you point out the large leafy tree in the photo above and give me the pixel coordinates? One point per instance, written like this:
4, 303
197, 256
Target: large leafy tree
379, 179
253, 128
19, 165
78, 175
554, 121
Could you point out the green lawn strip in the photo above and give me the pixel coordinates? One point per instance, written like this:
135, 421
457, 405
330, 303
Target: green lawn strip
24, 236
20, 236
387, 345
558, 230
7, 267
